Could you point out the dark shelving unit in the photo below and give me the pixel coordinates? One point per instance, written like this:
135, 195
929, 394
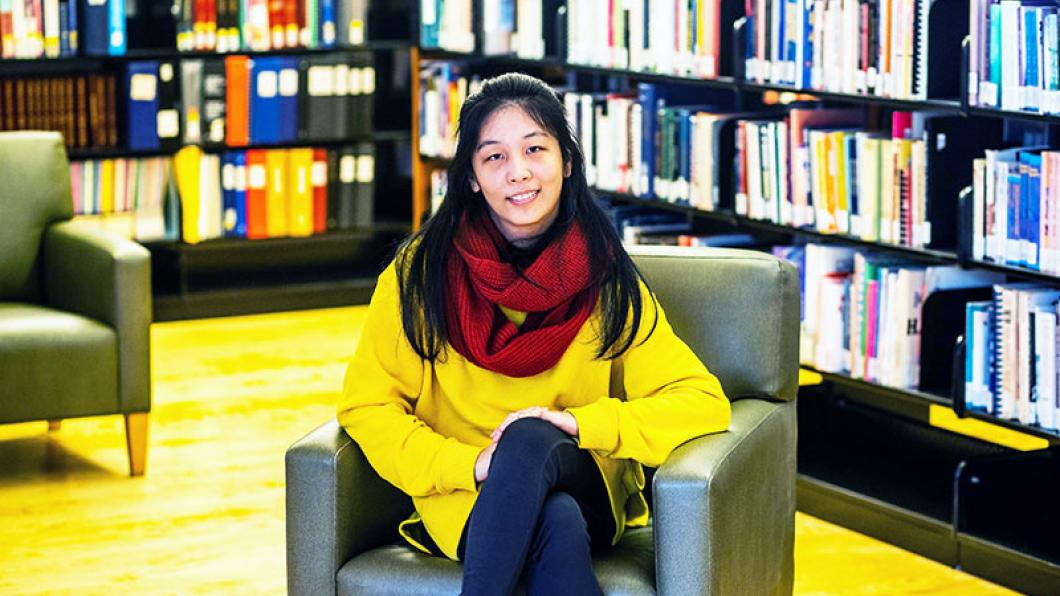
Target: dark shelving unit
869, 458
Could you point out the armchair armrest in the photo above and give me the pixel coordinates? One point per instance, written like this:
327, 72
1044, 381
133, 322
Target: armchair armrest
337, 508
725, 507
108, 279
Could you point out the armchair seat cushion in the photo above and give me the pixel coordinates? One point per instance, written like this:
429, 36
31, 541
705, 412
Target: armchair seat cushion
55, 364
625, 570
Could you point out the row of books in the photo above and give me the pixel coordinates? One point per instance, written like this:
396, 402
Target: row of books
682, 38
447, 24
517, 27
269, 100
804, 167
1010, 368
875, 47
862, 313
443, 90
1016, 213
271, 193
106, 186
60, 28
82, 107
263, 25
639, 144
237, 100
821, 169
1013, 58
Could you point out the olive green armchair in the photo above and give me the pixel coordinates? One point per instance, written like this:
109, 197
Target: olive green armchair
723, 520
75, 304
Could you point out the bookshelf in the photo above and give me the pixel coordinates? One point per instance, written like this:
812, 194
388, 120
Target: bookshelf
227, 276
912, 483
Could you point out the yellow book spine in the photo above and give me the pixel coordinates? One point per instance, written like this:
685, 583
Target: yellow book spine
831, 192
842, 200
107, 198
276, 193
300, 215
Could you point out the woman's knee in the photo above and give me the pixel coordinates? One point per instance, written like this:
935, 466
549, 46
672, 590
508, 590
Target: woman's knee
528, 446
562, 519
531, 434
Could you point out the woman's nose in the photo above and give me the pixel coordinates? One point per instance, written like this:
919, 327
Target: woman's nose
518, 171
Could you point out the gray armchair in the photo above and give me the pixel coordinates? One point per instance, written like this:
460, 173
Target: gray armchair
75, 305
724, 504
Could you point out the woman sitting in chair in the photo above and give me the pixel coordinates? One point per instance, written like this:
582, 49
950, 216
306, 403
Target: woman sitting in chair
514, 371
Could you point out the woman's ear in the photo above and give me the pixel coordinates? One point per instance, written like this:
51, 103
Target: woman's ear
566, 169
474, 186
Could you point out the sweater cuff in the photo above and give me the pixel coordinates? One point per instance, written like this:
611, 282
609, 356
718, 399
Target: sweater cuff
458, 466
597, 424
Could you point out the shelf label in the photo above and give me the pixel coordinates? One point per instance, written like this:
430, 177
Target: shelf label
356, 32
320, 173
256, 178
365, 168
347, 169
143, 87
267, 84
168, 123
321, 81
368, 80
288, 82
341, 79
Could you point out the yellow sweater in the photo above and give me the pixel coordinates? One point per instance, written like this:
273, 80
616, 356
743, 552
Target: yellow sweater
422, 426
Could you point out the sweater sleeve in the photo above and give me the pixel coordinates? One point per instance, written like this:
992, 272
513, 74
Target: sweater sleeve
671, 398
377, 407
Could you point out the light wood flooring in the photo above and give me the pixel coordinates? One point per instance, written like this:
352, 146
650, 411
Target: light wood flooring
207, 518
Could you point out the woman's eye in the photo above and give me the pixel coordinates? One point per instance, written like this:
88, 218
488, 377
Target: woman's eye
535, 149
493, 157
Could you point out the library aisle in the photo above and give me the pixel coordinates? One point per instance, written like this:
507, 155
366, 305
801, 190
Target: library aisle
208, 518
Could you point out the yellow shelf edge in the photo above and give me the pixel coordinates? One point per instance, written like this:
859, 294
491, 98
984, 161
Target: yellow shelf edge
945, 418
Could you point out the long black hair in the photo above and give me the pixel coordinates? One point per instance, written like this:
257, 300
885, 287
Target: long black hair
421, 262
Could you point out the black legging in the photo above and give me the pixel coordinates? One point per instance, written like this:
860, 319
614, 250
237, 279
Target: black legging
539, 512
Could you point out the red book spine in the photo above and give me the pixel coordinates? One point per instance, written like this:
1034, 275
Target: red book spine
277, 24
320, 190
7, 34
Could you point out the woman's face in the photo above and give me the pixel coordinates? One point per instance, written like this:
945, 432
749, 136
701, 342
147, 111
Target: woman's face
519, 168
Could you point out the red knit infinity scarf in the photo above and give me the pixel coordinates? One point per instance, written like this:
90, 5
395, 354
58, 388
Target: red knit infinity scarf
555, 290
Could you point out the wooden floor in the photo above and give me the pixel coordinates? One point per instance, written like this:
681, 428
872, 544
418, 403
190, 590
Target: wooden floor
229, 396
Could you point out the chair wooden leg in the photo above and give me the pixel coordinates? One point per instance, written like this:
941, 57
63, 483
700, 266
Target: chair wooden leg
136, 442
54, 425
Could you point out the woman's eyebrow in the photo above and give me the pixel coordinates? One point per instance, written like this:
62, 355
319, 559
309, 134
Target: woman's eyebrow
526, 136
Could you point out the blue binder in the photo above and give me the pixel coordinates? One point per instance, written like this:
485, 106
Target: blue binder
265, 100
239, 197
289, 99
95, 29
141, 97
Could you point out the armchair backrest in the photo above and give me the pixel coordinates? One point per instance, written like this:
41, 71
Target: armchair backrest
737, 309
34, 192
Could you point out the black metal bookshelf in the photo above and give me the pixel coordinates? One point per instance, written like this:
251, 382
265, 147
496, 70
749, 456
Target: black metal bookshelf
902, 487
233, 276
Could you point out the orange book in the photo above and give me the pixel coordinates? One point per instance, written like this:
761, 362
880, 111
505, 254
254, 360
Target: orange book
257, 181
237, 98
276, 193
320, 190
300, 192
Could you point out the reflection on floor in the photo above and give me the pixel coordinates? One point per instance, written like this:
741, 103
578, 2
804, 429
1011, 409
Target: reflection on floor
229, 396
